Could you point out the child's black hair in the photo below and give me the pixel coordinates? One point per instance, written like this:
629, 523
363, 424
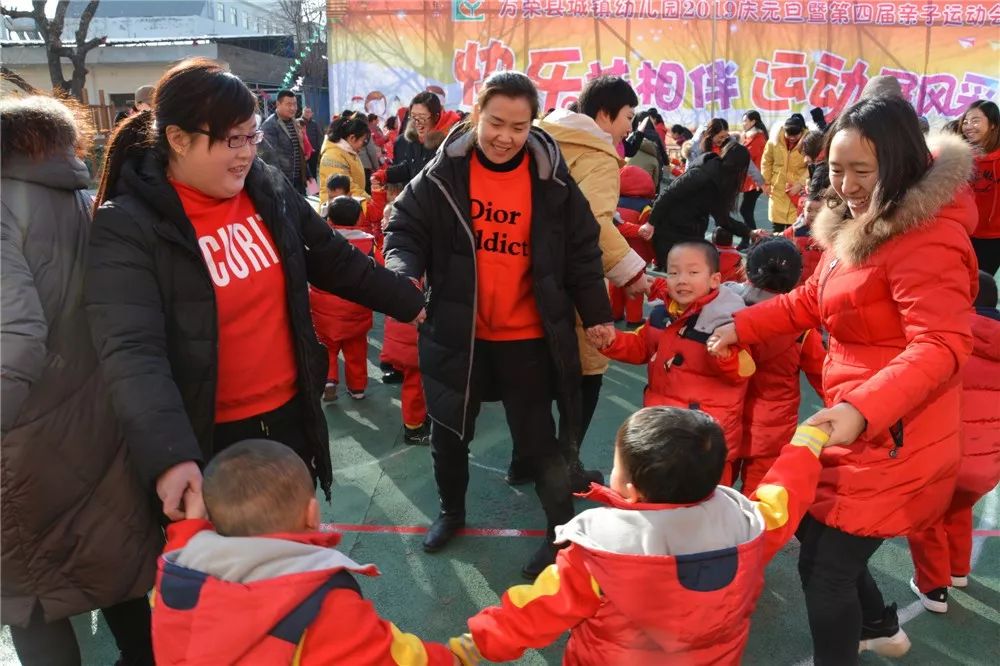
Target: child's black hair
343, 211
987, 296
338, 181
722, 237
774, 264
609, 94
346, 126
711, 253
672, 455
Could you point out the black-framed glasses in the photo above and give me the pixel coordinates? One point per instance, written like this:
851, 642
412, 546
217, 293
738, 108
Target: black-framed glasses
237, 140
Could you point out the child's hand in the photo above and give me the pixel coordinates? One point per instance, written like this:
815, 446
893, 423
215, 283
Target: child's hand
601, 336
173, 486
646, 231
420, 318
719, 342
843, 421
194, 505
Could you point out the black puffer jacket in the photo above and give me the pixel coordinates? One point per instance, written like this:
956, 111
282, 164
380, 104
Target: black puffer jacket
409, 156
681, 211
430, 232
78, 532
152, 309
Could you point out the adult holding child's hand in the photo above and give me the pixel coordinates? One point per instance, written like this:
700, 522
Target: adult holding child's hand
894, 291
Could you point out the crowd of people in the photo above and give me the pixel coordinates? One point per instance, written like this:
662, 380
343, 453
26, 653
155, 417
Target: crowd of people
168, 348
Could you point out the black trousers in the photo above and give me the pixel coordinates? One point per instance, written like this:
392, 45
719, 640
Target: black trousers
44, 643
779, 228
590, 393
284, 425
313, 164
748, 206
839, 589
988, 254
520, 373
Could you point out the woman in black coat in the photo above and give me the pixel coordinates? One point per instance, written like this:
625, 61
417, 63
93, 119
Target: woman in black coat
196, 286
427, 123
710, 186
504, 285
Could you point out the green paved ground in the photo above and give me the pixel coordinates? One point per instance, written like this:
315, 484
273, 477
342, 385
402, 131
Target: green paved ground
380, 481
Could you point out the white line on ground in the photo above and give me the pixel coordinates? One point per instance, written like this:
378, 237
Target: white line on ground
374, 461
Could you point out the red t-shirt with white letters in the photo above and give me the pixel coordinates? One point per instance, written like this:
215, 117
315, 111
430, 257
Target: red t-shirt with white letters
256, 369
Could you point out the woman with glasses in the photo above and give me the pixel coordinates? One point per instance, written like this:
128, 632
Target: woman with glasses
196, 286
980, 126
426, 127
345, 139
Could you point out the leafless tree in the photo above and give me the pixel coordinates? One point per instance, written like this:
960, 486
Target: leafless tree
301, 18
51, 31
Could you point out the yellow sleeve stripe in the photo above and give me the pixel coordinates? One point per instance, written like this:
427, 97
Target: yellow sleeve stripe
810, 437
406, 649
595, 587
546, 585
773, 504
747, 366
152, 598
464, 647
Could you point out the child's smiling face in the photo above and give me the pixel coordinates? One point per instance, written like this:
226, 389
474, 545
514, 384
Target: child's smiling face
689, 275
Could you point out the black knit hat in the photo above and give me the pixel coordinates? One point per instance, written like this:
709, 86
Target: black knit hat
774, 264
344, 211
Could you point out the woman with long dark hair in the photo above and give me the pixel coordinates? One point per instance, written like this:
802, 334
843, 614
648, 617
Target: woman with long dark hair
894, 290
710, 186
754, 139
980, 125
510, 250
345, 139
196, 286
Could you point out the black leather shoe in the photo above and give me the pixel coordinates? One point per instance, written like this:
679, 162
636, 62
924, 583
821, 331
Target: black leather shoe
580, 478
543, 557
441, 532
519, 473
392, 376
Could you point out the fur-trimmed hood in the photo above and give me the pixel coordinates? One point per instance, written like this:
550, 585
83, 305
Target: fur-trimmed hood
40, 137
949, 172
436, 136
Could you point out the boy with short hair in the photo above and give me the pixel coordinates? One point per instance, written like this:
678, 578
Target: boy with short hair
259, 584
730, 259
682, 373
337, 185
670, 569
340, 324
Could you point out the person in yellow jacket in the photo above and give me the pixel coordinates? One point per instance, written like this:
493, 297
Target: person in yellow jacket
785, 172
339, 156
588, 141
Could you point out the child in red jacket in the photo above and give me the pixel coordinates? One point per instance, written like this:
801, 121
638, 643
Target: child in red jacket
681, 371
259, 585
771, 408
942, 553
399, 350
670, 569
342, 326
634, 206
730, 259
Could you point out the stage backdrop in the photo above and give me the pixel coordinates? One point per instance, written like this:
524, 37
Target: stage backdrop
691, 59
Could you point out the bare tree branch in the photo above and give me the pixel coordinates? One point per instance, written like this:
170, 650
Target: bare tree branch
16, 14
16, 79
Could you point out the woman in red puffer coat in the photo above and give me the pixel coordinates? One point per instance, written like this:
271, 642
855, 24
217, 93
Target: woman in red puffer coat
893, 289
980, 126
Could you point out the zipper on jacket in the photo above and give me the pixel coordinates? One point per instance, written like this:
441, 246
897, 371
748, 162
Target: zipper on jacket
896, 431
822, 287
467, 225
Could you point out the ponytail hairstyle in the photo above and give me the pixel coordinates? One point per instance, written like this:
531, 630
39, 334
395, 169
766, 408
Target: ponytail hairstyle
195, 94
758, 122
355, 125
715, 125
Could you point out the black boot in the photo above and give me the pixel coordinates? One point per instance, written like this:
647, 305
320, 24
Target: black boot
520, 472
443, 530
580, 478
543, 557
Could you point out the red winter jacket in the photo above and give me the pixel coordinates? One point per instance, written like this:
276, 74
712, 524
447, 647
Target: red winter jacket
634, 206
754, 141
986, 185
654, 584
681, 371
275, 599
895, 302
810, 250
980, 469
731, 264
771, 407
337, 318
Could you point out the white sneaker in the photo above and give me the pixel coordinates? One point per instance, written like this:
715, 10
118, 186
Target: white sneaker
936, 601
960, 581
356, 395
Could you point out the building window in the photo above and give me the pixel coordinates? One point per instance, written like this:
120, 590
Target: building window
246, 21
235, 16
220, 12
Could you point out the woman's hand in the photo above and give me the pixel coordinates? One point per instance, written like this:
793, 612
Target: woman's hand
420, 318
646, 231
640, 286
174, 485
601, 336
719, 342
843, 419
